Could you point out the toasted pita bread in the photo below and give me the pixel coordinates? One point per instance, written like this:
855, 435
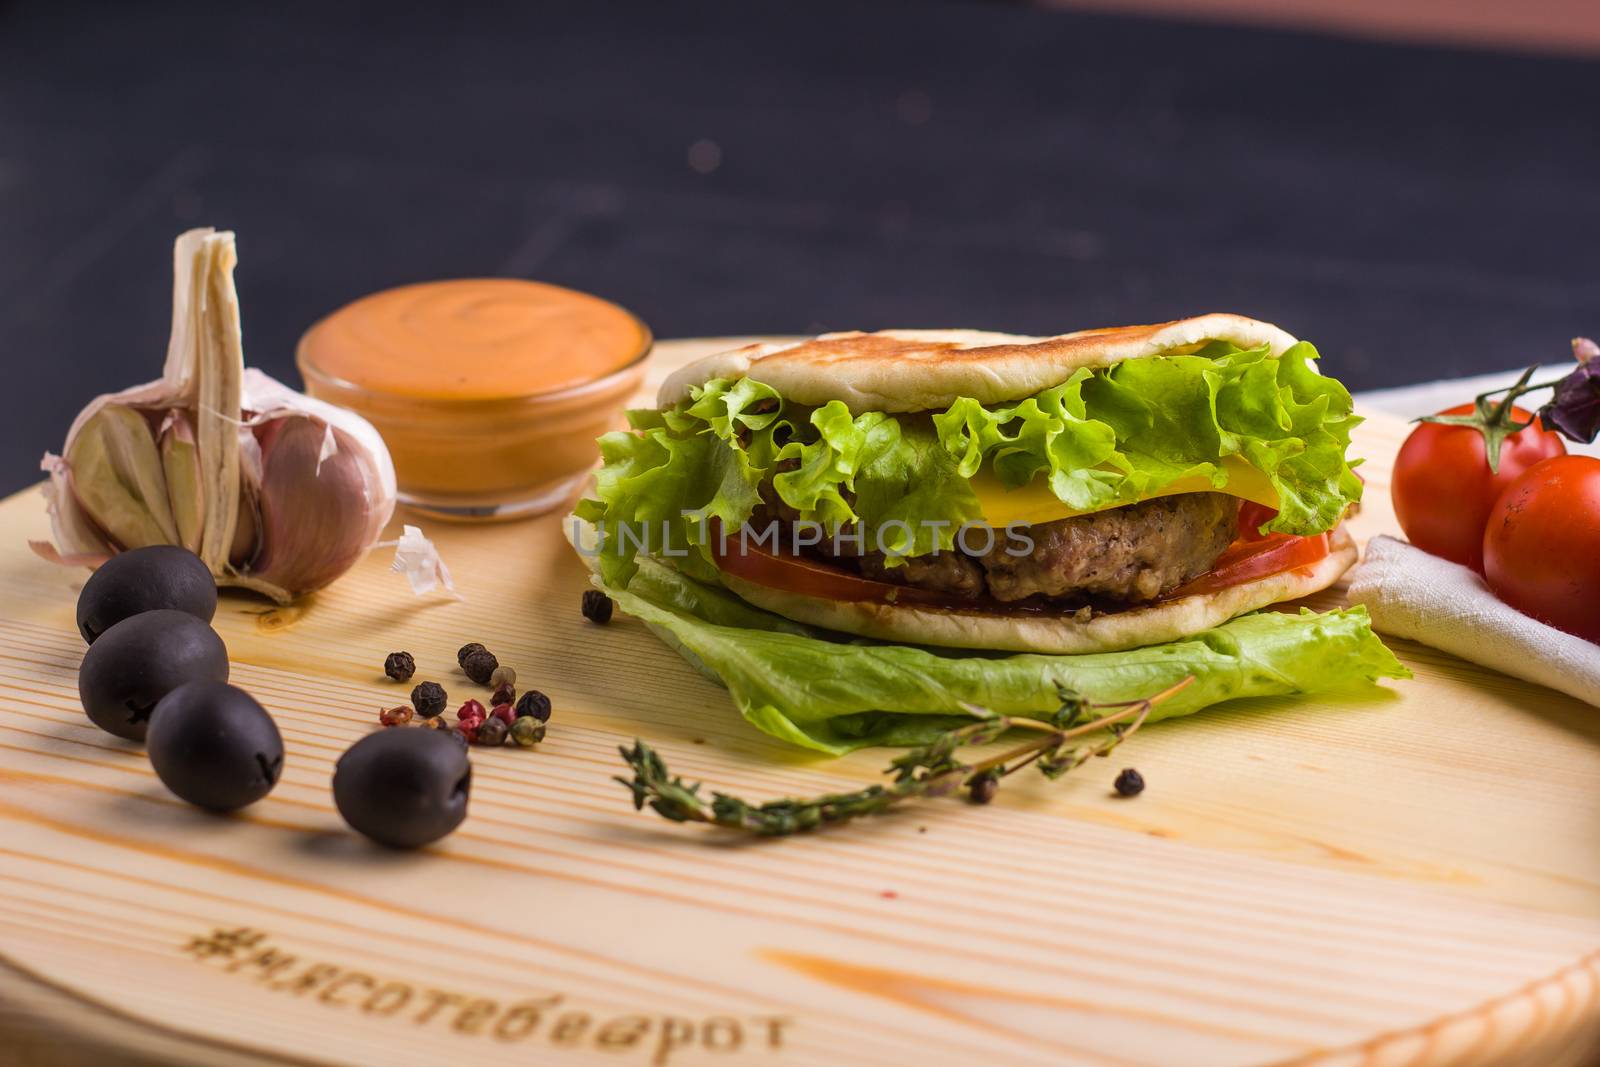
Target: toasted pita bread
1062, 634
927, 370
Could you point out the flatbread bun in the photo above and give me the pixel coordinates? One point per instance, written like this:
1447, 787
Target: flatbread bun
927, 370
1065, 634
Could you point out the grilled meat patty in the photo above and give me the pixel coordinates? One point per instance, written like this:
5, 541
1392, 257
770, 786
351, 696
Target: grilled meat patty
1129, 554
1133, 553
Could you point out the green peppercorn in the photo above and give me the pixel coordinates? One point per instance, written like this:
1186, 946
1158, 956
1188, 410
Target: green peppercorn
596, 606
492, 732
527, 731
503, 675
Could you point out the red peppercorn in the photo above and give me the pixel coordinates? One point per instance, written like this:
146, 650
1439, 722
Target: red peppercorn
468, 728
472, 711
395, 716
505, 713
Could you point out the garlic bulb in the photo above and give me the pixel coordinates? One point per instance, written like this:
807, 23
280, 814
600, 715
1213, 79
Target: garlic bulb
275, 491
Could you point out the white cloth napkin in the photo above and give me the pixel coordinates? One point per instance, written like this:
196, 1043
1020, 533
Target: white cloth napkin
1414, 595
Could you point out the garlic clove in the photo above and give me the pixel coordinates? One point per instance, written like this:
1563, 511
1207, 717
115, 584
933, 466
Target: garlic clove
313, 509
180, 462
118, 480
348, 434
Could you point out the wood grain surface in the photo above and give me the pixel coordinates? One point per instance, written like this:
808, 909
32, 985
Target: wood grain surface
1410, 875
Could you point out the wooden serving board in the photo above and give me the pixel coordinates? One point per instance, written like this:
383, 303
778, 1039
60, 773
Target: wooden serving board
1407, 877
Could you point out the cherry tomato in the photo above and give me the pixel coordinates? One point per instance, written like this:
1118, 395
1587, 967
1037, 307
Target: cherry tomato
1246, 560
1443, 488
1541, 548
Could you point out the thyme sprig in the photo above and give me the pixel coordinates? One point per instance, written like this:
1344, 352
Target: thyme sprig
934, 770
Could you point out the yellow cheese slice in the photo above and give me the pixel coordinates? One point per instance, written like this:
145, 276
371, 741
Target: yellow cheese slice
1034, 503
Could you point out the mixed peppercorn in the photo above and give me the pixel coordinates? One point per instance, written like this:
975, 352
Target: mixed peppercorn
498, 724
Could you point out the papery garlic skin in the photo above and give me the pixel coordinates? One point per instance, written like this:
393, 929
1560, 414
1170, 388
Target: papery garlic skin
275, 491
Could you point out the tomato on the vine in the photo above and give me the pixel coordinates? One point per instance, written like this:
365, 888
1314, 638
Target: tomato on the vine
1541, 546
1442, 486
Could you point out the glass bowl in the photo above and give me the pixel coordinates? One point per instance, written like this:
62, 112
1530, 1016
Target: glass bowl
489, 392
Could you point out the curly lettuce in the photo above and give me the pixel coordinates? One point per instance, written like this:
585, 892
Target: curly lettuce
1104, 438
814, 690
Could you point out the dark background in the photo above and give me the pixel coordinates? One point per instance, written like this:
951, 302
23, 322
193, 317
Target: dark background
1417, 212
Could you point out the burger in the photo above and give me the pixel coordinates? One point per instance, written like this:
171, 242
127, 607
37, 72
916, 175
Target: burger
1094, 491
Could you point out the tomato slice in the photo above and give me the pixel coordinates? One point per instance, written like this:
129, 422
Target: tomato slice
1246, 560
757, 563
1252, 517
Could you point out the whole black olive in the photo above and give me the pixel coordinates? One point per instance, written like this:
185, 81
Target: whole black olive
145, 579
214, 746
403, 788
140, 660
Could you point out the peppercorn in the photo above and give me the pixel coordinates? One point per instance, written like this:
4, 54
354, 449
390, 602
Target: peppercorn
480, 666
527, 731
504, 713
503, 676
984, 787
429, 699
395, 716
467, 728
535, 704
466, 650
504, 694
459, 736
596, 606
493, 732
1130, 783
400, 666
435, 723
471, 711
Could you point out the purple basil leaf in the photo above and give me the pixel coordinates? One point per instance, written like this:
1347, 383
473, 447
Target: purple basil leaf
1574, 410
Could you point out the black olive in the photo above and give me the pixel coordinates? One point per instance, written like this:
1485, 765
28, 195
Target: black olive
140, 660
214, 746
403, 788
145, 579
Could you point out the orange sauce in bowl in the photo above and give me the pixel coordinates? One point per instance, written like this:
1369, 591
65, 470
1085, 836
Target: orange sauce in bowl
474, 339
489, 392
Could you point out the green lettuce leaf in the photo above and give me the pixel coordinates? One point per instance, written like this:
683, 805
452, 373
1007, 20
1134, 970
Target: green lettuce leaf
825, 693
1101, 439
